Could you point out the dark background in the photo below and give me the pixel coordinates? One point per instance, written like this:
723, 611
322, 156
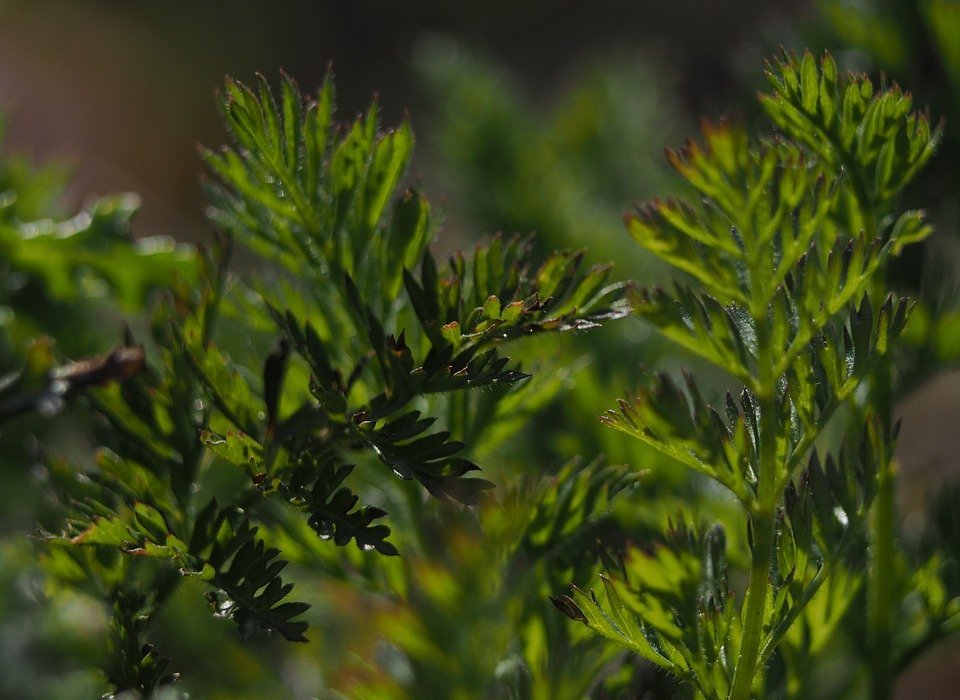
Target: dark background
124, 90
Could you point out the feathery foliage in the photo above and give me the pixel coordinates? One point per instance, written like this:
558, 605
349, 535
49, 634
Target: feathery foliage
316, 410
368, 330
784, 258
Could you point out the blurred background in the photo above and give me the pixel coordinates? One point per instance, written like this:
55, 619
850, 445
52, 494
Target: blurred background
124, 90
530, 116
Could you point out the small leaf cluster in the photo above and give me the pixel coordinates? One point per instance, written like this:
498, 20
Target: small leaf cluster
916, 44
683, 607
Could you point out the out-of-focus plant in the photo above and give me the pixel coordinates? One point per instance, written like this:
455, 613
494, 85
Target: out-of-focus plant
63, 280
58, 274
563, 165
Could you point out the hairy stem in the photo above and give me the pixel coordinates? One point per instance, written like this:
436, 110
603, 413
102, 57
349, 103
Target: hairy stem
762, 516
753, 618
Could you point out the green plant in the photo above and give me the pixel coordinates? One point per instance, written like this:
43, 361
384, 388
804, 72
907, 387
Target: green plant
787, 255
916, 44
64, 277
310, 390
376, 344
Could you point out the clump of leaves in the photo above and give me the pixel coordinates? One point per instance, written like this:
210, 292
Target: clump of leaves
384, 325
369, 333
782, 260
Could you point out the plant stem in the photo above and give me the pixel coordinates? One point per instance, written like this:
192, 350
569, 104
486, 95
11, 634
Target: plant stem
881, 587
753, 618
881, 592
762, 515
881, 574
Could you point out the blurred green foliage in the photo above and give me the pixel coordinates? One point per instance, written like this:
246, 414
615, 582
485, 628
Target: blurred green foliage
63, 282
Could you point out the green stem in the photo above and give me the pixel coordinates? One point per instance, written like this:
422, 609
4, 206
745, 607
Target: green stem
881, 597
753, 619
763, 517
881, 575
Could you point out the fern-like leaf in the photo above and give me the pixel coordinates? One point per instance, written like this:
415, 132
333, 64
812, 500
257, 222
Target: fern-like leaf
402, 445
316, 487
